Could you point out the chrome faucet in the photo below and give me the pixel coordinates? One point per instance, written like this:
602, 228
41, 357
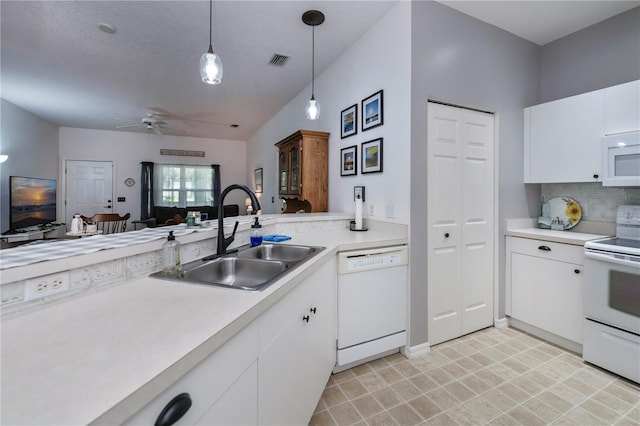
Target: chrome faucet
223, 242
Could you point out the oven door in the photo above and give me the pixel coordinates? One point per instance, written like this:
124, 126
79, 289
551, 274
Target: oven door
612, 290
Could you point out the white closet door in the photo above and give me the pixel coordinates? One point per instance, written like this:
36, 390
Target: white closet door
477, 220
444, 198
460, 221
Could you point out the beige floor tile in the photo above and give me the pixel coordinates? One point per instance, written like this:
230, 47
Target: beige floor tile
425, 407
322, 418
599, 410
352, 389
367, 406
390, 374
459, 391
406, 390
404, 415
423, 382
525, 417
381, 419
387, 397
492, 377
345, 414
333, 396
541, 409
441, 420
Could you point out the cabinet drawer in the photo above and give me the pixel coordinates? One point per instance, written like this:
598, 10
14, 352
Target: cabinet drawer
546, 249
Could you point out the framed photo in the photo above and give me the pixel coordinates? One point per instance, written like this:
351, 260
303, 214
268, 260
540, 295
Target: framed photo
372, 156
349, 121
257, 180
372, 111
349, 161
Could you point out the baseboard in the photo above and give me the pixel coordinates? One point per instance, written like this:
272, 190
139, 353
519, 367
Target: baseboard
415, 351
501, 322
547, 336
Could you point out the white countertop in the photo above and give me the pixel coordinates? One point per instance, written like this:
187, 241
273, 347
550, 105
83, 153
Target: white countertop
102, 356
567, 237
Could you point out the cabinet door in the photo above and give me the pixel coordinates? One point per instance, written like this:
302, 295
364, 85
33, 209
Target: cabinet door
294, 169
238, 405
547, 294
283, 168
565, 140
293, 370
622, 108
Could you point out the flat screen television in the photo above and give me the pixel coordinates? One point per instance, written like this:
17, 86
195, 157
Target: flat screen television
32, 202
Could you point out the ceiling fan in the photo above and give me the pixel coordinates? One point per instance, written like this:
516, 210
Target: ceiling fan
192, 119
151, 124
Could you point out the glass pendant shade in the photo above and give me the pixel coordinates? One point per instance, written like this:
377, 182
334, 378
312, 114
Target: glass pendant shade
211, 68
313, 109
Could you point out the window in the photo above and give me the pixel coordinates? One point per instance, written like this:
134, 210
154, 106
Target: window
185, 185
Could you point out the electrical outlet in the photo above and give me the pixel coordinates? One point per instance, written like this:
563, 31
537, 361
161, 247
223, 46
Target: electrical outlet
48, 285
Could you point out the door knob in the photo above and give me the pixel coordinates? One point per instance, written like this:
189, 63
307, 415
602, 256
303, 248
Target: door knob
446, 235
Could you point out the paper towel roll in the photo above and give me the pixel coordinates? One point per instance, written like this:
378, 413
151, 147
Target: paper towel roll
358, 213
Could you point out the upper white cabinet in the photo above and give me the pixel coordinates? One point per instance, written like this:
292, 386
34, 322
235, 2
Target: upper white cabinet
622, 108
563, 140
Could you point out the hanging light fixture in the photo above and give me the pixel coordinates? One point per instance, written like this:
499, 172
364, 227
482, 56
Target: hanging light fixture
210, 64
313, 18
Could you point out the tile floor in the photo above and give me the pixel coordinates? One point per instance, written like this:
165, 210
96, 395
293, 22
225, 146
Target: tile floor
493, 376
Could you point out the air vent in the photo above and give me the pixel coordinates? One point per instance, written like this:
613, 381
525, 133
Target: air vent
278, 60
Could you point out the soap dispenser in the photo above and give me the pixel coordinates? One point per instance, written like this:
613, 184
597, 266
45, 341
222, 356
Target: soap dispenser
256, 233
171, 255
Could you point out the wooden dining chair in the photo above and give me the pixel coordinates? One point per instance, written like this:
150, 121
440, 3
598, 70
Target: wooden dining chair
108, 223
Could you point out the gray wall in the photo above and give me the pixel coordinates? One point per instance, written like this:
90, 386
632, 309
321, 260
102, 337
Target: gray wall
32, 146
602, 55
465, 61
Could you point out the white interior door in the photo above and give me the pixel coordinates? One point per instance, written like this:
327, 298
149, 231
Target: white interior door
460, 221
89, 188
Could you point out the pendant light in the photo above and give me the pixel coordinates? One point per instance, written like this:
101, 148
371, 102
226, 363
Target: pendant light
313, 18
210, 64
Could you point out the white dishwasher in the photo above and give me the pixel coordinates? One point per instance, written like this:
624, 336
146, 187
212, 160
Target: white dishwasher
372, 304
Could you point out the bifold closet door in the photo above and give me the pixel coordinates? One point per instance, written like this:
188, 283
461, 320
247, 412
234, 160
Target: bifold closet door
460, 221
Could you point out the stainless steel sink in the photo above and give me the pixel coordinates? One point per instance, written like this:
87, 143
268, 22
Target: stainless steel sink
252, 269
284, 253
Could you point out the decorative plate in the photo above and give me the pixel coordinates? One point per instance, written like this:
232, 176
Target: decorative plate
129, 182
563, 212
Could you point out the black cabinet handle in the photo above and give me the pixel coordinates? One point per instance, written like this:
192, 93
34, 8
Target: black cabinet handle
446, 235
596, 176
577, 271
313, 310
544, 248
174, 410
305, 318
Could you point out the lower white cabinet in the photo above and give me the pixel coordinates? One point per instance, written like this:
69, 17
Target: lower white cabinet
299, 338
272, 372
544, 285
223, 383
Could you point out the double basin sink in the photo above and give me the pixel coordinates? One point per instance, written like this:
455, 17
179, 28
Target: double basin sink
248, 268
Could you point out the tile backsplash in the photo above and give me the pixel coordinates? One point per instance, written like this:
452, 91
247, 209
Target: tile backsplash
599, 204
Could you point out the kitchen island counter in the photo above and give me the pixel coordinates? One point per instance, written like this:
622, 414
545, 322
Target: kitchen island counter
101, 356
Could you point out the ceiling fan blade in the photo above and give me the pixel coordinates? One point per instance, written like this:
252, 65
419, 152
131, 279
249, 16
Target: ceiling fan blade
127, 126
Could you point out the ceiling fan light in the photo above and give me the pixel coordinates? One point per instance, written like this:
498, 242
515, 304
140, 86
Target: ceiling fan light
313, 109
211, 68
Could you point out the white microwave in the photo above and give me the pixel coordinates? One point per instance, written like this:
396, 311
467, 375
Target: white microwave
621, 158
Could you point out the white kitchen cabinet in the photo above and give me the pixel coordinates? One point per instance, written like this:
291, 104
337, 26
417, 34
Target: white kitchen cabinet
544, 285
222, 384
622, 108
460, 196
563, 139
299, 338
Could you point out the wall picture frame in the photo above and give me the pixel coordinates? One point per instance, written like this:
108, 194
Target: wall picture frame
372, 156
257, 180
349, 121
349, 161
373, 111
